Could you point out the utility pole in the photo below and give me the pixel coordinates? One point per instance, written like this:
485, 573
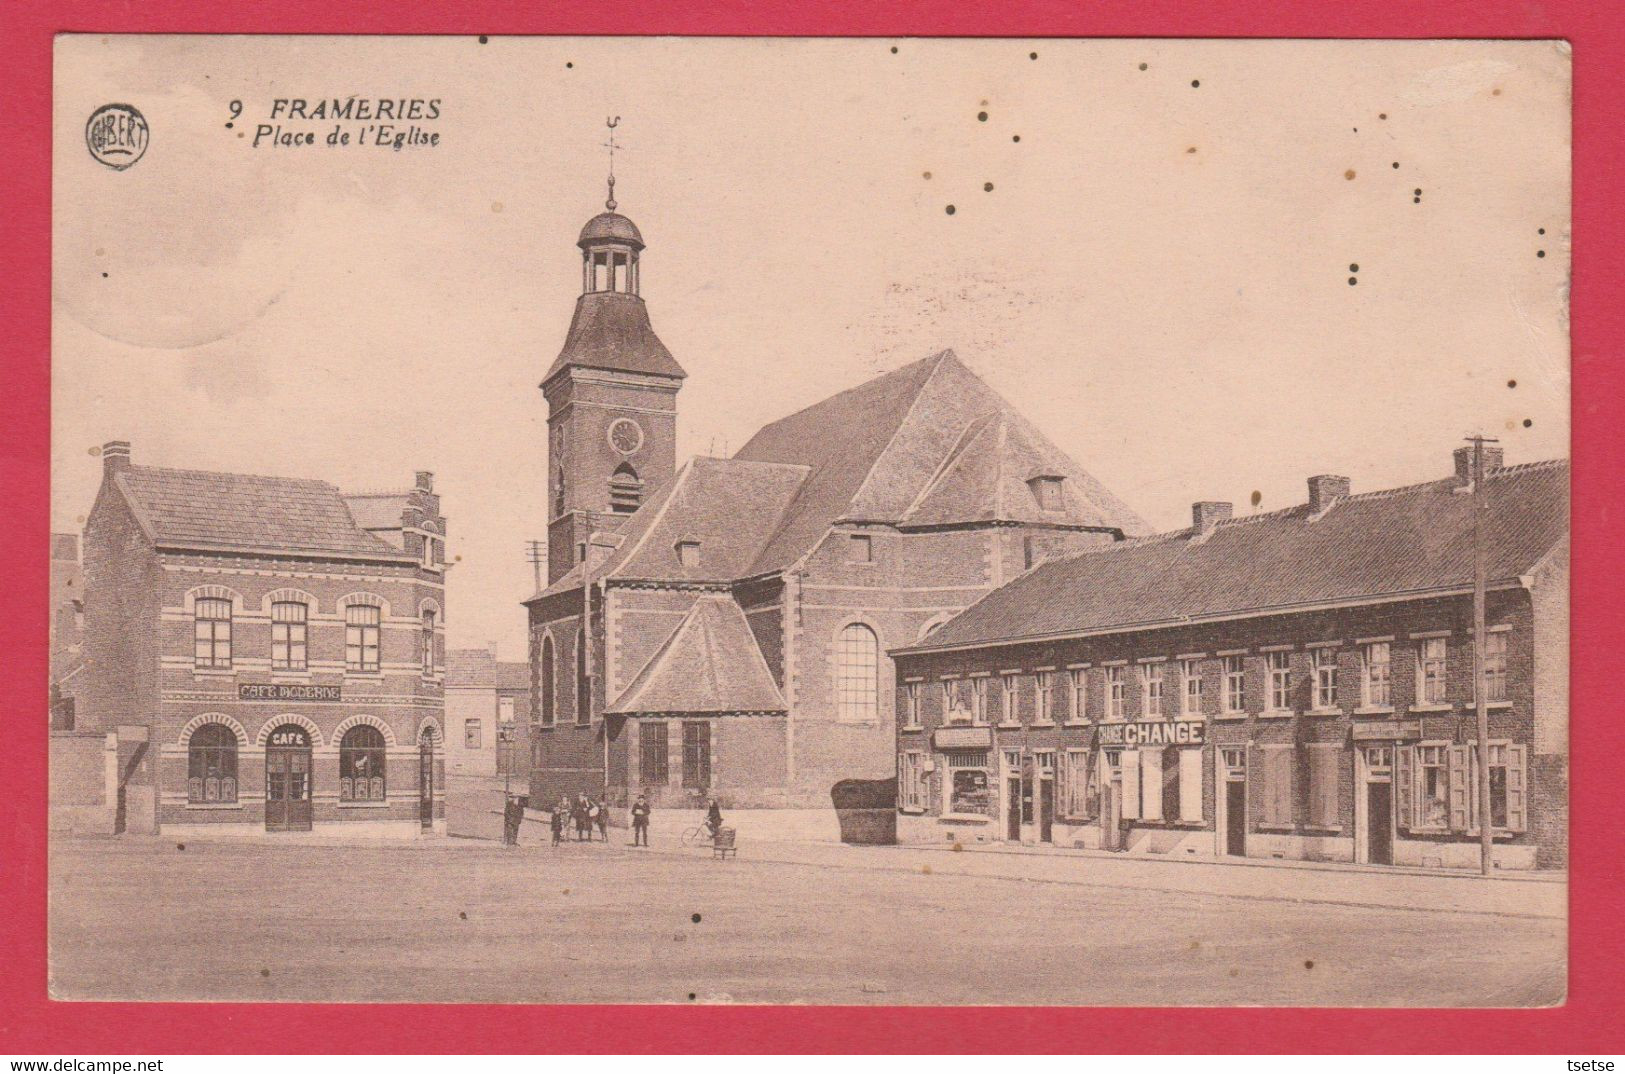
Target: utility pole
1480, 694
536, 552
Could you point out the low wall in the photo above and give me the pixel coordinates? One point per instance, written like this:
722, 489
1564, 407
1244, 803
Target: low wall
78, 783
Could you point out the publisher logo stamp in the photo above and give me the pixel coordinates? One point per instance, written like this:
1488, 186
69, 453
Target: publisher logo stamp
116, 135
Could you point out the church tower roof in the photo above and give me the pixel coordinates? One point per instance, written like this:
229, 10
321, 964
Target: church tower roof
611, 329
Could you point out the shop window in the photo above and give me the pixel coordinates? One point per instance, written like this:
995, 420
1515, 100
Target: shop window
1079, 785
911, 780
697, 755
1190, 692
968, 785
654, 764
1376, 677
1114, 693
1151, 689
1235, 684
857, 675
472, 735
211, 765
1430, 671
361, 764
1326, 678
1495, 666
361, 625
211, 632
1080, 694
1323, 785
1280, 671
288, 635
1276, 780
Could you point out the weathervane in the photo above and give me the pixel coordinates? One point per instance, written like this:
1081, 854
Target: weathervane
611, 124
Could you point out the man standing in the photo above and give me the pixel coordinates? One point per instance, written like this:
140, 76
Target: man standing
640, 821
600, 816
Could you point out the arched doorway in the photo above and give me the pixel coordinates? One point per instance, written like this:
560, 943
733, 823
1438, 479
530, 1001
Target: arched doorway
287, 779
426, 779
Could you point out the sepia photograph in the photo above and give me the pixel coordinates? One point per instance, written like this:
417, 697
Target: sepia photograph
867, 522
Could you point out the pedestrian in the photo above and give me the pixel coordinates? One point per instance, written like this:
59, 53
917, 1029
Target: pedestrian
583, 819
557, 819
601, 815
640, 821
713, 818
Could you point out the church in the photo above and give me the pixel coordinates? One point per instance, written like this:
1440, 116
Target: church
721, 630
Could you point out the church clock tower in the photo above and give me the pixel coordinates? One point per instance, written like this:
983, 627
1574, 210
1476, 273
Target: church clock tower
611, 397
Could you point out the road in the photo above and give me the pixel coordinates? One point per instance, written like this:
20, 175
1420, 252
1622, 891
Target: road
464, 921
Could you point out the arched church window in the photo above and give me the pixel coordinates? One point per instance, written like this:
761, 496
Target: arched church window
857, 675
547, 682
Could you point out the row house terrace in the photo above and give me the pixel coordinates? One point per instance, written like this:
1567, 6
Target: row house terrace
1291, 685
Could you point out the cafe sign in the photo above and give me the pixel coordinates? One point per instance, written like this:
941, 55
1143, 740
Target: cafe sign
963, 738
286, 691
1161, 733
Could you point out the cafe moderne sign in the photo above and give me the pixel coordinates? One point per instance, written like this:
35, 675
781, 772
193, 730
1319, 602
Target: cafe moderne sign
1164, 733
285, 691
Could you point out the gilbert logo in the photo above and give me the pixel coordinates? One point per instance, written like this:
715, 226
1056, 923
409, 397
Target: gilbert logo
116, 135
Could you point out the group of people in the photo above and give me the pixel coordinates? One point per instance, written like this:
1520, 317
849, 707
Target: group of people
587, 815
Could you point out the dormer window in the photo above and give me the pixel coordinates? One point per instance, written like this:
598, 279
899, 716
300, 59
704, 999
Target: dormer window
688, 552
1047, 491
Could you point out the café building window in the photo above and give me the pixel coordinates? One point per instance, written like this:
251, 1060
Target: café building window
968, 785
361, 765
211, 632
288, 635
211, 761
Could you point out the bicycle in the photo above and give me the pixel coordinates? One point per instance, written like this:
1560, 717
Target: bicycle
699, 835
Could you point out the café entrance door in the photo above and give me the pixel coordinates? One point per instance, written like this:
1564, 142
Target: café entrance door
287, 780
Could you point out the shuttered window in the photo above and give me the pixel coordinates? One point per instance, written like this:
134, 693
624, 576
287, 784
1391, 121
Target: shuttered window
1151, 784
1190, 786
1277, 789
1324, 769
1131, 784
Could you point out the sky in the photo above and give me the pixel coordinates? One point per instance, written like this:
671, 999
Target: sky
1159, 276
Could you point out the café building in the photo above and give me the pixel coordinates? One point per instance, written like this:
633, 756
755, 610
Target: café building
1297, 684
264, 652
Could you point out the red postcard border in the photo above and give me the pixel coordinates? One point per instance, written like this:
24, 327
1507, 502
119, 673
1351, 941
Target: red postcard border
31, 1023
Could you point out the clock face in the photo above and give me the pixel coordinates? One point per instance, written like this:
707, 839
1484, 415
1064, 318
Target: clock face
625, 435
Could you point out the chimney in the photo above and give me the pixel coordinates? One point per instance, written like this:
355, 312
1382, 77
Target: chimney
1205, 514
1464, 461
1325, 490
425, 481
115, 456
